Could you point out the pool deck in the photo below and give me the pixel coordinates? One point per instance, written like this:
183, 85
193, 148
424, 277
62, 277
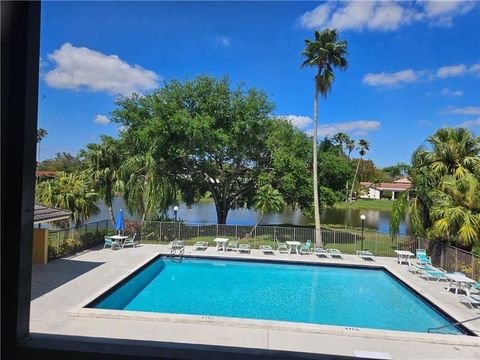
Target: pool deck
62, 287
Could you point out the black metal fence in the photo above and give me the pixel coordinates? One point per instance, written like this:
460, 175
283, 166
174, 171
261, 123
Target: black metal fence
451, 258
69, 241
345, 240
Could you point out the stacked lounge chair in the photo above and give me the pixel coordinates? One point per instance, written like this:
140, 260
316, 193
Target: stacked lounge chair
200, 245
244, 248
365, 255
321, 252
267, 249
335, 253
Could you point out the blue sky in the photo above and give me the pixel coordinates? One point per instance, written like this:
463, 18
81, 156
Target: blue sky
413, 66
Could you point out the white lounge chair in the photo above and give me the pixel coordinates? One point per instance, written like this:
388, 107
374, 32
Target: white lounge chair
282, 247
364, 254
321, 252
244, 248
177, 247
433, 274
267, 249
473, 301
233, 245
335, 253
200, 245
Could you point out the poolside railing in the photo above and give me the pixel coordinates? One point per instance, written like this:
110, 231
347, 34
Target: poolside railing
346, 240
65, 242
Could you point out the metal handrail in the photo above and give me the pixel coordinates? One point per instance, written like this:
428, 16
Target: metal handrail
453, 324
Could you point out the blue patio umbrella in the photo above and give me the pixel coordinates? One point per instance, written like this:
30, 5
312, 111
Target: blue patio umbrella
119, 224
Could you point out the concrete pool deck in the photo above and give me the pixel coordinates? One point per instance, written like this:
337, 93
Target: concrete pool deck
60, 288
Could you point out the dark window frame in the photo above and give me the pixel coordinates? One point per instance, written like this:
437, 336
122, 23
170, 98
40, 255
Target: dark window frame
20, 36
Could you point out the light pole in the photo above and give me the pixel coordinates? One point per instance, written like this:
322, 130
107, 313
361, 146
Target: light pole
362, 217
175, 210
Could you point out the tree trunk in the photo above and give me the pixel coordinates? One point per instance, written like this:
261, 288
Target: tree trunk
222, 212
110, 210
258, 222
354, 177
316, 205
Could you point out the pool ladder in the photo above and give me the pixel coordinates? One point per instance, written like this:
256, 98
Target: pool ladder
177, 249
433, 330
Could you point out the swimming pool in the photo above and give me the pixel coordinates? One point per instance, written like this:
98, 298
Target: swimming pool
331, 295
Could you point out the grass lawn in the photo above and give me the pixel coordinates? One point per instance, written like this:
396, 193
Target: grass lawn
367, 204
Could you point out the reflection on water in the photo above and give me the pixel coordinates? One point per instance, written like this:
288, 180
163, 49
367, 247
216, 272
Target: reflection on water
204, 213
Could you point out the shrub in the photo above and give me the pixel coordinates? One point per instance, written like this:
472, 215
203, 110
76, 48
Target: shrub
91, 239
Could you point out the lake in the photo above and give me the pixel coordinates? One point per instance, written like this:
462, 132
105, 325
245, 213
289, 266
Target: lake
204, 213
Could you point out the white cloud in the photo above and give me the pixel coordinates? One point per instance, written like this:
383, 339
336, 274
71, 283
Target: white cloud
317, 16
470, 123
382, 15
448, 92
223, 40
441, 13
391, 79
83, 68
467, 110
394, 79
451, 71
101, 119
301, 122
359, 127
475, 69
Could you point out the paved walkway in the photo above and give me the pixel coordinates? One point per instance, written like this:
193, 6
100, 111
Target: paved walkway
61, 286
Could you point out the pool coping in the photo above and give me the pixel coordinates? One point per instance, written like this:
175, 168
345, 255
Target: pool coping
81, 310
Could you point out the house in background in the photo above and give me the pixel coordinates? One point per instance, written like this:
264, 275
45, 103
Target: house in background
374, 190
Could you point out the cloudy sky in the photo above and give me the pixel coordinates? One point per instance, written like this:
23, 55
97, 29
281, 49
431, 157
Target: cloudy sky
413, 66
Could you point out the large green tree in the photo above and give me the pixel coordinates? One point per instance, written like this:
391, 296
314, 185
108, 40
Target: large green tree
291, 164
324, 53
102, 162
210, 137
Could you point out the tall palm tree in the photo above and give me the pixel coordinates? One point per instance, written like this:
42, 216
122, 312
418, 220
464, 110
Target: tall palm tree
363, 147
267, 199
146, 190
350, 145
71, 191
448, 152
41, 134
454, 151
324, 54
103, 161
341, 139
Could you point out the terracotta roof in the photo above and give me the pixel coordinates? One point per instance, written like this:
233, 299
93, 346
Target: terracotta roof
403, 180
43, 214
388, 186
46, 173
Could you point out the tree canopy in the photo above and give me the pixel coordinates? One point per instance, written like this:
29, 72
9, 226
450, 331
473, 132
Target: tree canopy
209, 136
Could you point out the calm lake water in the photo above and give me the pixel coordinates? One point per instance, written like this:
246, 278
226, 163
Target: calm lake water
204, 213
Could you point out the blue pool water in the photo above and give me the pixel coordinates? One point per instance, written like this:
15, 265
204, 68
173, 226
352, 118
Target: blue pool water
341, 296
